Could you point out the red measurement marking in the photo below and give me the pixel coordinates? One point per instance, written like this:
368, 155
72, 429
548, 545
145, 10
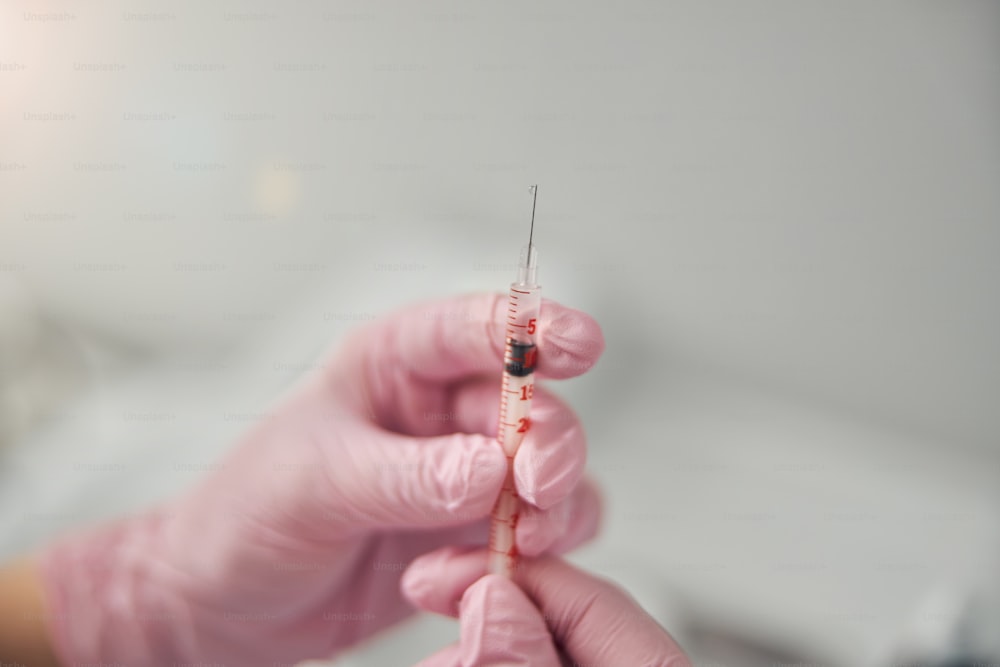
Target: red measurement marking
519, 291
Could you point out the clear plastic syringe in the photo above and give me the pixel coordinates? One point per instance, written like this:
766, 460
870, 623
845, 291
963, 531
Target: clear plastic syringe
520, 357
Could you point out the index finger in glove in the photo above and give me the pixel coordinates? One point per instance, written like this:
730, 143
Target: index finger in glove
450, 339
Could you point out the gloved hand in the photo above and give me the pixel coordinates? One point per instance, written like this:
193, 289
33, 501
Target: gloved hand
558, 612
294, 548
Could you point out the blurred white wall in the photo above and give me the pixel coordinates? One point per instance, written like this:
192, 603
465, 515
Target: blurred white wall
805, 193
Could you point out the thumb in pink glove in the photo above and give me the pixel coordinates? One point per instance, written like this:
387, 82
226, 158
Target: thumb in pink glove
295, 547
558, 611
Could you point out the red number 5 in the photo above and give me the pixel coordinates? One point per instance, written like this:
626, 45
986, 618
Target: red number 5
531, 325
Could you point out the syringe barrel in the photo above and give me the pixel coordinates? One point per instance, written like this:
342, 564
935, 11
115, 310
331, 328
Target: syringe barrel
522, 312
517, 390
520, 359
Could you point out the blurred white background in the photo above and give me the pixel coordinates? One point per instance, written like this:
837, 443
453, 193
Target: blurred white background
785, 215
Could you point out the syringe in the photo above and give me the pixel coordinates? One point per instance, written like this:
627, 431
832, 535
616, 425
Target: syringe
515, 397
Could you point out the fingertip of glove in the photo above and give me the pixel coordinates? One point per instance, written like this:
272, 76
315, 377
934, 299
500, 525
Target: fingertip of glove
427, 583
494, 595
414, 585
549, 476
486, 586
418, 580
466, 471
485, 468
571, 342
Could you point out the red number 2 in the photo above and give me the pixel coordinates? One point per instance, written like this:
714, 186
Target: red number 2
523, 424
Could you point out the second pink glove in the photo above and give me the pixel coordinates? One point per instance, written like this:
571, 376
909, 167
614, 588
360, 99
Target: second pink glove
295, 547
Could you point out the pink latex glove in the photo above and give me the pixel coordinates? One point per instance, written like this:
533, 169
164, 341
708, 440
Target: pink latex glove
295, 547
561, 612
